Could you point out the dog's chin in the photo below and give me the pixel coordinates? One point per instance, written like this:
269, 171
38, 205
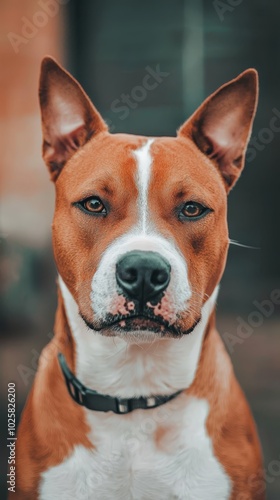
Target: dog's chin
140, 328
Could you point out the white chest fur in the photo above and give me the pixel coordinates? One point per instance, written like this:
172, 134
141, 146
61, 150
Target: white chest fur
131, 461
163, 453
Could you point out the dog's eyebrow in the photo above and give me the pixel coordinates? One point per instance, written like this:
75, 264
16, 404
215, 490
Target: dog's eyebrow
180, 189
188, 186
180, 194
106, 189
103, 184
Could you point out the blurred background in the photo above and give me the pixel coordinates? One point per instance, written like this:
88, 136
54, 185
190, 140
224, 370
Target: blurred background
110, 47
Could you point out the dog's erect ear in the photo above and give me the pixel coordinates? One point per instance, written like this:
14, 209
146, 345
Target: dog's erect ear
221, 126
69, 118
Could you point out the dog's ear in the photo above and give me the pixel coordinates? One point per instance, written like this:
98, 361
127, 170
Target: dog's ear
221, 126
69, 118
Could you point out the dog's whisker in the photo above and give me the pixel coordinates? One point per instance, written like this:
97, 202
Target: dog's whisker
236, 243
202, 295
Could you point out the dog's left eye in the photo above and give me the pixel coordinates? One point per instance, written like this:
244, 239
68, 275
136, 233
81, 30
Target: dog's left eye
193, 210
93, 205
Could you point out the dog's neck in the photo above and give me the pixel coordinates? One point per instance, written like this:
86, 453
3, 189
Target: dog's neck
111, 365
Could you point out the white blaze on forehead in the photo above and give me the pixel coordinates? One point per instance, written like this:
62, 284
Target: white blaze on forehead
144, 165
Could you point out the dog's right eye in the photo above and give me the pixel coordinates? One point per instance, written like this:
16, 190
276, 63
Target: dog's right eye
93, 206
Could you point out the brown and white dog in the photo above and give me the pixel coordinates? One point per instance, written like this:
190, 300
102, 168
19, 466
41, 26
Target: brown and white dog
140, 241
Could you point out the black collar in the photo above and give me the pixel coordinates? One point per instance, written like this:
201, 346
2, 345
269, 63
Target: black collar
99, 402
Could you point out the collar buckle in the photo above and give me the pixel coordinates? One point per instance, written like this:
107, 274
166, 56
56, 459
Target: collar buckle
123, 406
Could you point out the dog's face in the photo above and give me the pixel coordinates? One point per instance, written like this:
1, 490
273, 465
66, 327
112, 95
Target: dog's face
140, 233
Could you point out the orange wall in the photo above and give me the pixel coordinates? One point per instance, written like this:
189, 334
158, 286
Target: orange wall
26, 193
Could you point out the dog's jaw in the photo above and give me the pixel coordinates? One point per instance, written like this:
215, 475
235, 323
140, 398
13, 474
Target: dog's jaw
125, 367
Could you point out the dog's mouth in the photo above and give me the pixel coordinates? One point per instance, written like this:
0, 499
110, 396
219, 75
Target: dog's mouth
114, 325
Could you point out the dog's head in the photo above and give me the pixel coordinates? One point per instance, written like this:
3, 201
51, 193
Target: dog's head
140, 232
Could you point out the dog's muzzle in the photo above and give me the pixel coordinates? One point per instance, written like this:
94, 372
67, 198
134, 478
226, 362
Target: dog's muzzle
141, 301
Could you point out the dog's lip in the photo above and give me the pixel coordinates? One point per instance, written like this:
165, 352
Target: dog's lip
144, 318
156, 321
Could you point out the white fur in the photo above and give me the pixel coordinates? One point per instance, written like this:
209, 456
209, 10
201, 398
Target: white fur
144, 165
126, 462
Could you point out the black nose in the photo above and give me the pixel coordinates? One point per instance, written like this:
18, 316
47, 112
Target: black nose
143, 275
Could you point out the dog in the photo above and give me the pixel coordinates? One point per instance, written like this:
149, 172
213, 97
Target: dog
135, 396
